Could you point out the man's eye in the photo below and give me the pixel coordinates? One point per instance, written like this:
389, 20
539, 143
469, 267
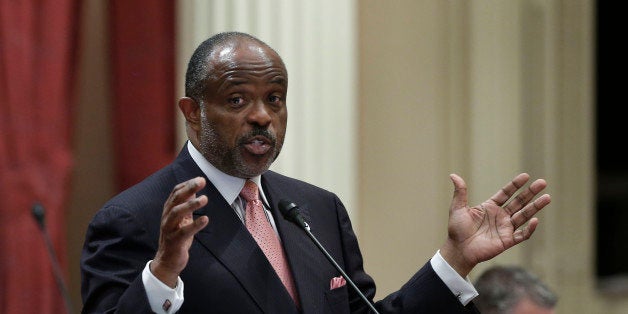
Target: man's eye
274, 98
236, 101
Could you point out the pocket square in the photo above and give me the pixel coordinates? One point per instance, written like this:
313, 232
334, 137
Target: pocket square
337, 282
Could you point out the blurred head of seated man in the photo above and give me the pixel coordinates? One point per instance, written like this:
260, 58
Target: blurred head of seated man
513, 290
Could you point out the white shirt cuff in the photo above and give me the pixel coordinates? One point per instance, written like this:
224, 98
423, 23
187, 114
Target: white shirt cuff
462, 288
162, 299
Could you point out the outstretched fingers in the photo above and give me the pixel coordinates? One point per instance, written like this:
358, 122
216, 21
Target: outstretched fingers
505, 193
523, 198
521, 207
525, 233
526, 214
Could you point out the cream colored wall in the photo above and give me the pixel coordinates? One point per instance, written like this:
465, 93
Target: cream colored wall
485, 89
481, 88
403, 162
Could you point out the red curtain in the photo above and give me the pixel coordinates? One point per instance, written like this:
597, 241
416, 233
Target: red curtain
38, 41
142, 56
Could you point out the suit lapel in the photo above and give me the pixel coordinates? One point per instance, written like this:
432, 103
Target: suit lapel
229, 241
305, 259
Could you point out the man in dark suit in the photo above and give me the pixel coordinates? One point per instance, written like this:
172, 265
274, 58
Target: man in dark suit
186, 225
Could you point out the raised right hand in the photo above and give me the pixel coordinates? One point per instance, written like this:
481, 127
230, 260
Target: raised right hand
177, 231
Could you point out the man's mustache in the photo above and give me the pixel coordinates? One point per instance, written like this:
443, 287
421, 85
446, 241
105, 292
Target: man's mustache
258, 132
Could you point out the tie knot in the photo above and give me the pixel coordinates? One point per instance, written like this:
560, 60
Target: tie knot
249, 191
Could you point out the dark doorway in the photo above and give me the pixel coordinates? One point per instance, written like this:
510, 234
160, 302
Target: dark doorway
612, 161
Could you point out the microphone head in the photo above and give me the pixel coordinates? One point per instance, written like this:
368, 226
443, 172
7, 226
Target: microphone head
38, 214
287, 207
291, 212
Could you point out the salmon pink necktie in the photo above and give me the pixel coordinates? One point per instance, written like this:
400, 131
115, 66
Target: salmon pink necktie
266, 237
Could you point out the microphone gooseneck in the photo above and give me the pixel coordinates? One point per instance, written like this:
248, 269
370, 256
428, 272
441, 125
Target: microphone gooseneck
38, 212
291, 212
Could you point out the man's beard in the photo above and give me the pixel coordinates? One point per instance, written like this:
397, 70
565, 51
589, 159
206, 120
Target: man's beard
229, 159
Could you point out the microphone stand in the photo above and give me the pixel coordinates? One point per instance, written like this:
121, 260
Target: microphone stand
331, 259
39, 215
292, 213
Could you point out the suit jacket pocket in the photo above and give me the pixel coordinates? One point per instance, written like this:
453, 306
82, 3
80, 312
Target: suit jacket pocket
337, 300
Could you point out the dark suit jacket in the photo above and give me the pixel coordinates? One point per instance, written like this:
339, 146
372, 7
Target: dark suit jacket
227, 272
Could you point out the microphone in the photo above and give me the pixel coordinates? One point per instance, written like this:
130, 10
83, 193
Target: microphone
292, 213
39, 215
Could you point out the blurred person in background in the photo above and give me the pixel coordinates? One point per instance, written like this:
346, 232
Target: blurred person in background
513, 290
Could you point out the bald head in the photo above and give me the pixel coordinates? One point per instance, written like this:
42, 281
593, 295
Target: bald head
211, 50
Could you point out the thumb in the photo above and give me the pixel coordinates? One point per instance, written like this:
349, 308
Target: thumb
460, 192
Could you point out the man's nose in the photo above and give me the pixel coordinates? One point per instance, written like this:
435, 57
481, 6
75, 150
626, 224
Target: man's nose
259, 113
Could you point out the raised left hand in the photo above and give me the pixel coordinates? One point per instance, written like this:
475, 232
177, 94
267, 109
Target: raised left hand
481, 232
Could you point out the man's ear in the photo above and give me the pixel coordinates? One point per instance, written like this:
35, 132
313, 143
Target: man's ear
191, 112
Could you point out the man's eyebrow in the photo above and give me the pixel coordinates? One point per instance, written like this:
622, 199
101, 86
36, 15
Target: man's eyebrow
279, 80
236, 81
228, 84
